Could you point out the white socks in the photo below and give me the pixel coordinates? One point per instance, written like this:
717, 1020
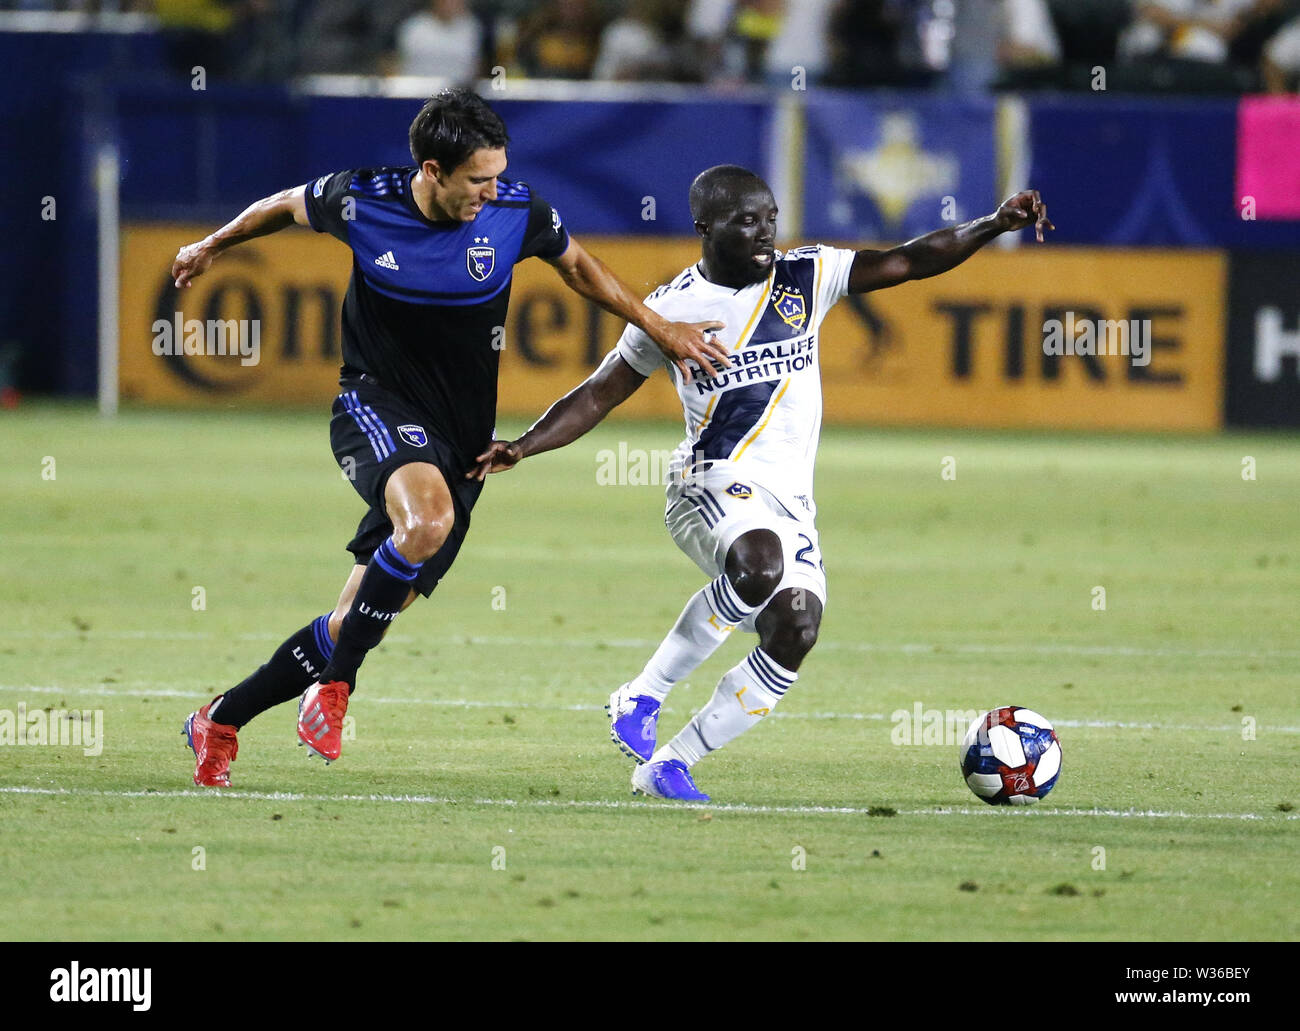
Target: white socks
713, 612
745, 694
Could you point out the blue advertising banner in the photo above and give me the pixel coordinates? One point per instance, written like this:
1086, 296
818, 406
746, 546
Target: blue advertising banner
890, 167
595, 161
1139, 172
601, 163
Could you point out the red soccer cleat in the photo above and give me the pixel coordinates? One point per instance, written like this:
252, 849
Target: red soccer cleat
320, 719
215, 748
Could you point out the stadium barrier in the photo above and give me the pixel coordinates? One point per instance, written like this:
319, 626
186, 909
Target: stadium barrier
967, 348
1149, 171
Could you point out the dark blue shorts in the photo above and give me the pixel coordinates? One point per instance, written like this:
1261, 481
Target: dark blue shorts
373, 433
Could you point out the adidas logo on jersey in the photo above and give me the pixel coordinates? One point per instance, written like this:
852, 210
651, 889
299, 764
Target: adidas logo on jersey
386, 260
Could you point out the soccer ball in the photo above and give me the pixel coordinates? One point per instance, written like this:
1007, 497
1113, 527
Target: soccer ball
1010, 756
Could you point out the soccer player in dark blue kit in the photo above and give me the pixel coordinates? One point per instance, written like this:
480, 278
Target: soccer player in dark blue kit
434, 246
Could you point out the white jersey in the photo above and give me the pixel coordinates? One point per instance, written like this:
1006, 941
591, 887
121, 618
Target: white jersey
764, 414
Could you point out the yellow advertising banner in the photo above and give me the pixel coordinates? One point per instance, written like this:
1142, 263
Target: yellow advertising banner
1052, 337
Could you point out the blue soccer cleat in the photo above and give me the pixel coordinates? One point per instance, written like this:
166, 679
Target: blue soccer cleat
633, 721
667, 779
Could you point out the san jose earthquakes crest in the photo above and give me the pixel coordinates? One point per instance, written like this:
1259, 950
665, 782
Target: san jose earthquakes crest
413, 435
789, 304
480, 259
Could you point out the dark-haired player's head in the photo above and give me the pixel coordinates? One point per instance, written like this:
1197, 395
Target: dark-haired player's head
735, 214
460, 145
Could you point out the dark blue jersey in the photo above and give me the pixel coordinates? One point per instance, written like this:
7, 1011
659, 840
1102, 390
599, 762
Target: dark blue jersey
425, 310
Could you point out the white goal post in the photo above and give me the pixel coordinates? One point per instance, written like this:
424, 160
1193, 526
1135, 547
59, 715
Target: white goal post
108, 226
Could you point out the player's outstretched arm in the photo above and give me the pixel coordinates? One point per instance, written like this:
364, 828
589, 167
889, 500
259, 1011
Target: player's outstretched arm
268, 215
944, 249
587, 275
566, 420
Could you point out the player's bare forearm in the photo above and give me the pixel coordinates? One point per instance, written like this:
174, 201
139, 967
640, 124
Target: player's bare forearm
587, 275
944, 249
268, 215
573, 415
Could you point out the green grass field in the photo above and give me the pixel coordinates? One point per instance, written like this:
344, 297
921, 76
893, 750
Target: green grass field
480, 734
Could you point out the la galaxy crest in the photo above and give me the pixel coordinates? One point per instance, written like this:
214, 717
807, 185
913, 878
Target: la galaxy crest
480, 259
789, 304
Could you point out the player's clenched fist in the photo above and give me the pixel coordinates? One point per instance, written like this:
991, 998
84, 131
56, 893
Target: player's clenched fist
192, 260
1024, 208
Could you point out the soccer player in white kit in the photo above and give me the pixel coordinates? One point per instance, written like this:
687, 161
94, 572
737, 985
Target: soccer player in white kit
740, 490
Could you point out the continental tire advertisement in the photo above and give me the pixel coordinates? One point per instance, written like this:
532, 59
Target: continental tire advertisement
1034, 337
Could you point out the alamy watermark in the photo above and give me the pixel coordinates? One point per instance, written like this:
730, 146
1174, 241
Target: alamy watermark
223, 338
75, 983
922, 726
632, 467
82, 728
1098, 337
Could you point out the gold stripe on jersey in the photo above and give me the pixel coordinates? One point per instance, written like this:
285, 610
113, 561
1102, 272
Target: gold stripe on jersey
735, 455
817, 289
708, 414
745, 334
752, 324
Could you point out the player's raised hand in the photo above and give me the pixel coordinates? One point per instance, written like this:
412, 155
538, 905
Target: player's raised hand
693, 341
1025, 207
192, 260
500, 456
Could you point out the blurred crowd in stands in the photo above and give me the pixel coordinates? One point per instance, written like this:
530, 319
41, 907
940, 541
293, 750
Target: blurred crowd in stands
966, 45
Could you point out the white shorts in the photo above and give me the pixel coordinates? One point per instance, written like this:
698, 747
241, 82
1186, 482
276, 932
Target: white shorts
708, 512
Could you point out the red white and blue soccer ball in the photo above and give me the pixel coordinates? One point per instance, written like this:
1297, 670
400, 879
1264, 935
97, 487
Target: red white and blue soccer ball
1010, 756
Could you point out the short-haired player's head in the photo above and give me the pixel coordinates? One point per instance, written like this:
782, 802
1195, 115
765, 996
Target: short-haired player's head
735, 215
717, 190
460, 145
452, 124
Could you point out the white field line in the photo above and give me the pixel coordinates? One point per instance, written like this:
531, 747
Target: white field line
475, 703
460, 640
513, 803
